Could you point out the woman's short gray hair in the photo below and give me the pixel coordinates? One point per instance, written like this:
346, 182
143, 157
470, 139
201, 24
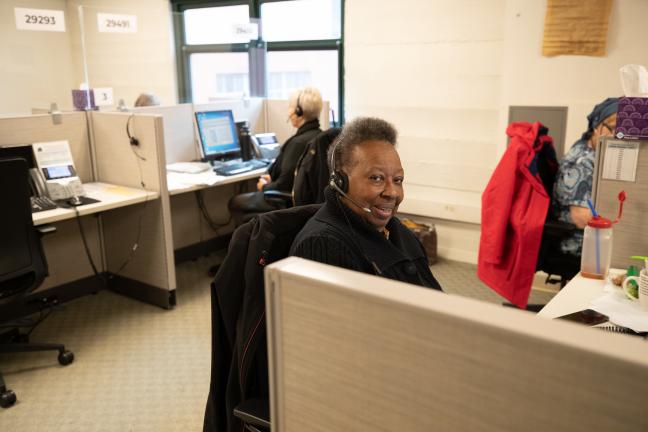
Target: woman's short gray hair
355, 132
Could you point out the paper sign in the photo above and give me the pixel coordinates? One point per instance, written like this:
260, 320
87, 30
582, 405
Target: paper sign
103, 96
247, 30
111, 23
40, 19
620, 161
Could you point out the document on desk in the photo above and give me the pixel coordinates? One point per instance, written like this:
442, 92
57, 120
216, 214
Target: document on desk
204, 178
622, 311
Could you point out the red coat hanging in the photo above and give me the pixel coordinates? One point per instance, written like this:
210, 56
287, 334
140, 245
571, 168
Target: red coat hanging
514, 209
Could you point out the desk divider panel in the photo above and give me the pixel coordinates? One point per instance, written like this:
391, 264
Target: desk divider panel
277, 113
179, 132
630, 235
353, 352
72, 126
66, 241
252, 110
117, 162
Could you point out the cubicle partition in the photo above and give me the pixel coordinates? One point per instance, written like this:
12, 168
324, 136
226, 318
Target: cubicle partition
65, 242
616, 163
179, 138
353, 352
150, 271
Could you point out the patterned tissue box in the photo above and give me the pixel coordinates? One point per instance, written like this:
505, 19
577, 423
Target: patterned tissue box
632, 118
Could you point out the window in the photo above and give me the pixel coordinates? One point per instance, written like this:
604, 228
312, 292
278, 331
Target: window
220, 46
218, 76
293, 20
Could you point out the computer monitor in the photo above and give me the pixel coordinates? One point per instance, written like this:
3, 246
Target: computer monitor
21, 152
217, 134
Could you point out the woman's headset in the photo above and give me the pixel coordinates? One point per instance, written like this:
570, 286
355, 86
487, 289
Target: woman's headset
299, 111
338, 179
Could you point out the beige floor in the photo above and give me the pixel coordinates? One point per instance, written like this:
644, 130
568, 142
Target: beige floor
139, 367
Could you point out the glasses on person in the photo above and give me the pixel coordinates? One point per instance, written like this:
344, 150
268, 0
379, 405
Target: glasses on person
608, 127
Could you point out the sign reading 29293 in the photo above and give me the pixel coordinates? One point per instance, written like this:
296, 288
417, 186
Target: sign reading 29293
40, 19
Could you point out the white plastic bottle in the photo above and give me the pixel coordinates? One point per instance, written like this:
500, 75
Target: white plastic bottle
597, 248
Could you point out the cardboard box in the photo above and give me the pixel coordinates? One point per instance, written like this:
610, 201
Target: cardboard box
632, 118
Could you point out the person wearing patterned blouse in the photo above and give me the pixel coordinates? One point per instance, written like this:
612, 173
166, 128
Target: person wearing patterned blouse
573, 185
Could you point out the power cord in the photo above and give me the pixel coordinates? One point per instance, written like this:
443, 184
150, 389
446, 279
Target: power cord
135, 244
215, 226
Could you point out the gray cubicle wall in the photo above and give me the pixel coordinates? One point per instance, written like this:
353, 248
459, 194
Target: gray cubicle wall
150, 272
631, 233
65, 242
353, 352
553, 117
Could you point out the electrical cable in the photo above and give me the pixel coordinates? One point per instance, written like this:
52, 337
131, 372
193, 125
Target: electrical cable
215, 226
135, 244
86, 247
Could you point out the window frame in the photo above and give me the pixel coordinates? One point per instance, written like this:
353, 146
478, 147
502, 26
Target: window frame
257, 71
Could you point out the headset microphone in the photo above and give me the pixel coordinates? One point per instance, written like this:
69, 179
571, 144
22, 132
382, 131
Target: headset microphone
345, 195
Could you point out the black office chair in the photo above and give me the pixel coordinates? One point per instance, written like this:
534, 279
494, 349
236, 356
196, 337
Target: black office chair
22, 268
312, 172
238, 394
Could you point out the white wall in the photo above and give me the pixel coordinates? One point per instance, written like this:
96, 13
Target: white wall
433, 68
445, 74
578, 82
37, 66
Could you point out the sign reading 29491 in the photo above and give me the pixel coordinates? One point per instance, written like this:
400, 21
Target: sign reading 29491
40, 19
111, 23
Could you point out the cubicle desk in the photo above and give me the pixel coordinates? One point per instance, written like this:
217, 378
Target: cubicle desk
222, 180
192, 236
574, 297
109, 196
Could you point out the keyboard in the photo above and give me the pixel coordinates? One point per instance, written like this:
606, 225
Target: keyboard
233, 168
42, 204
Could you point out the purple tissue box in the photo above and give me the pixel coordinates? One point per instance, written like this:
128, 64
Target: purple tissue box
83, 100
632, 118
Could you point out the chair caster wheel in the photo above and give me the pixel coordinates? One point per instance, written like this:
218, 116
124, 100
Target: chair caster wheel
65, 358
7, 398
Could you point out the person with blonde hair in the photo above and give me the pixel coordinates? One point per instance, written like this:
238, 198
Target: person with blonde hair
304, 109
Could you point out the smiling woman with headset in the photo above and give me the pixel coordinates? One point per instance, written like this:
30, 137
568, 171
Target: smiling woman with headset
304, 108
357, 227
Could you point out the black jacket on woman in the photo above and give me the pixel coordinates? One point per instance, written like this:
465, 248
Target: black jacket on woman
337, 236
282, 171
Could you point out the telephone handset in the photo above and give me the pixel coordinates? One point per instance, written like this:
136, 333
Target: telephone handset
37, 183
255, 147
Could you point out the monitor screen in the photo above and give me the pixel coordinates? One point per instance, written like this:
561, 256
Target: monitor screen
21, 152
217, 132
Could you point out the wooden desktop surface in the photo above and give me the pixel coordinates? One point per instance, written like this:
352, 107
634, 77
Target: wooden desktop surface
110, 197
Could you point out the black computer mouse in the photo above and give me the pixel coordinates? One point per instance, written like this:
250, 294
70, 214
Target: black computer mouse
75, 201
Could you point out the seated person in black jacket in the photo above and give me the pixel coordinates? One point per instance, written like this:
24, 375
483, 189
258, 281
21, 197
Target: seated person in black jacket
357, 227
304, 108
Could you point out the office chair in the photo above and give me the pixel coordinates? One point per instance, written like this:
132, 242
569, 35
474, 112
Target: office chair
312, 172
238, 394
22, 268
